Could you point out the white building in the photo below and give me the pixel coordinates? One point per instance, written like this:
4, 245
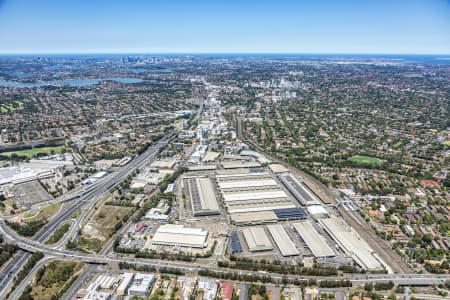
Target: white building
141, 284
180, 236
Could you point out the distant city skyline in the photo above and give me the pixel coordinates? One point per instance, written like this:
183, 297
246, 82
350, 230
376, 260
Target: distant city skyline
181, 26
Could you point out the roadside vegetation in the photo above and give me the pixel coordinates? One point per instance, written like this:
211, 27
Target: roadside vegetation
27, 229
29, 265
6, 251
58, 235
52, 280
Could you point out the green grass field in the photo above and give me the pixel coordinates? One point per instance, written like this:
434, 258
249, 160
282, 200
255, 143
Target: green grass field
366, 160
46, 213
446, 143
4, 108
396, 145
32, 152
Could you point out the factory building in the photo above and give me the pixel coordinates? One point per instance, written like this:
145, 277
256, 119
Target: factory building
257, 239
242, 175
282, 240
254, 218
298, 190
351, 243
180, 236
247, 193
202, 196
312, 239
141, 285
259, 157
122, 289
317, 211
256, 201
239, 164
244, 185
209, 287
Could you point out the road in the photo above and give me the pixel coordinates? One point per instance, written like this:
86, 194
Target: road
86, 196
17, 292
189, 267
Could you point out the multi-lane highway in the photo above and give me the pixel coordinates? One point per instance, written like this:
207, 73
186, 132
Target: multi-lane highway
34, 246
86, 196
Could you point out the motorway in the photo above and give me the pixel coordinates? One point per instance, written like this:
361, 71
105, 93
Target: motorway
88, 195
189, 267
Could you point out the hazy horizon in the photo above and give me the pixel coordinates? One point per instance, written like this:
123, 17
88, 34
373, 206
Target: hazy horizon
237, 27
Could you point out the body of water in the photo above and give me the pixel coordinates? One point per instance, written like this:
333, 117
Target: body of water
74, 82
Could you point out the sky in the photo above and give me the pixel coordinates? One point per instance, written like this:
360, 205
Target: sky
230, 26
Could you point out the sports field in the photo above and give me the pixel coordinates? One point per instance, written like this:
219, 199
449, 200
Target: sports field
32, 152
366, 160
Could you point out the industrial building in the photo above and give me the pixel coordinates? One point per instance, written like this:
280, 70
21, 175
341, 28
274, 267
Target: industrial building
24, 173
295, 213
241, 175
209, 287
282, 240
300, 192
235, 243
257, 239
312, 239
141, 285
202, 196
239, 164
277, 168
254, 218
122, 289
244, 185
351, 243
259, 157
180, 236
158, 214
240, 202
317, 211
246, 193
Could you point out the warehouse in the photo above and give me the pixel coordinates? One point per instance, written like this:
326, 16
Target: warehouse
317, 211
124, 284
257, 239
259, 157
351, 243
247, 184
282, 240
255, 196
235, 243
277, 168
254, 218
202, 196
312, 239
295, 213
242, 176
251, 192
239, 164
300, 192
260, 200
141, 285
180, 236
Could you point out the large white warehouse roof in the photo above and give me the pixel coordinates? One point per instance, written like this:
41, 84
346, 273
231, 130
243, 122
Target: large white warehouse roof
283, 241
312, 239
247, 184
257, 239
178, 235
254, 195
352, 244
